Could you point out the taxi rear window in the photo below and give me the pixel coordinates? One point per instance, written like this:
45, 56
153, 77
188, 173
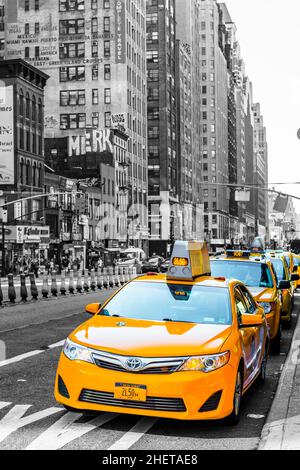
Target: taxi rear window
279, 269
251, 274
171, 302
288, 261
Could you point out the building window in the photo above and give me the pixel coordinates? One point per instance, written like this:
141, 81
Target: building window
26, 5
36, 5
95, 120
36, 51
95, 25
94, 4
107, 72
95, 96
40, 112
36, 28
72, 98
21, 103
106, 48
71, 5
95, 49
69, 74
71, 27
26, 31
71, 50
107, 119
95, 72
33, 109
73, 121
107, 95
27, 108
106, 4
106, 24
27, 52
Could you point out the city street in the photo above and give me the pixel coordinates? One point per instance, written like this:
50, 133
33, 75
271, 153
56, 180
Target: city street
31, 419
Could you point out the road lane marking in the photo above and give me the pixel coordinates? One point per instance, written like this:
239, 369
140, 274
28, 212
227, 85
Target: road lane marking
66, 430
135, 434
14, 419
3, 404
21, 357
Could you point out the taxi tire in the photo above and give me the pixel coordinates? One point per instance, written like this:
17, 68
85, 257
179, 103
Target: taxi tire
276, 342
234, 418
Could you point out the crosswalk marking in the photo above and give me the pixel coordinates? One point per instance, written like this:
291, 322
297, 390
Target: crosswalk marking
15, 419
66, 430
135, 434
3, 404
19, 358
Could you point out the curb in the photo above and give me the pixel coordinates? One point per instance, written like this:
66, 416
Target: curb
273, 433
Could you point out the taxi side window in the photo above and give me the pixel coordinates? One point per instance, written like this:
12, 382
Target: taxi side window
240, 304
251, 307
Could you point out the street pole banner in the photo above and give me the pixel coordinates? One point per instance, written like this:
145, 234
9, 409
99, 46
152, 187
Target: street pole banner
6, 135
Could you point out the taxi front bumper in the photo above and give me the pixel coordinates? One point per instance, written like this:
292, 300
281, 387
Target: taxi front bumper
180, 395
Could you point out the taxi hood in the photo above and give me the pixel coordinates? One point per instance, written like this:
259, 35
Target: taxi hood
262, 294
151, 339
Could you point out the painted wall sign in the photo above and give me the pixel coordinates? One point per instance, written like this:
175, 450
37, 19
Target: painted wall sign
120, 31
7, 173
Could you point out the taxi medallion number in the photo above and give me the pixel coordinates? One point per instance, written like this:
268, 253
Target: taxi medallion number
130, 392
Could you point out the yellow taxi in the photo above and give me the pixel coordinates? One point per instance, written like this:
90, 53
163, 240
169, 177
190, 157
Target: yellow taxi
183, 345
296, 270
256, 272
283, 276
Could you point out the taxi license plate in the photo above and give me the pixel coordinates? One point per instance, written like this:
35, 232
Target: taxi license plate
130, 392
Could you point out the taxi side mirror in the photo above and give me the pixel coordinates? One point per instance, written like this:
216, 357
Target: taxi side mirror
284, 285
295, 277
248, 321
93, 309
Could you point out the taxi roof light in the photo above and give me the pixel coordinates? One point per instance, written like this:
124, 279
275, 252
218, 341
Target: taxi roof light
190, 259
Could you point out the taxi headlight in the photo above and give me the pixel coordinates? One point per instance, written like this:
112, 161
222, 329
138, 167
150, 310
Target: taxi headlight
75, 352
205, 363
267, 307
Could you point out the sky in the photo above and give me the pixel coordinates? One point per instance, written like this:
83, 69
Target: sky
269, 35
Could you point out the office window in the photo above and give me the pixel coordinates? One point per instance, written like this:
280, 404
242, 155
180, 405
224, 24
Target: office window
26, 30
36, 28
95, 25
106, 24
95, 72
107, 95
72, 98
106, 48
95, 96
95, 49
69, 50
68, 74
107, 119
107, 72
71, 27
72, 121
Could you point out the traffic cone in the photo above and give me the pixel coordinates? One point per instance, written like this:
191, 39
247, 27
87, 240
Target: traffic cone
33, 288
93, 280
23, 288
54, 289
11, 289
1, 293
63, 289
86, 286
79, 281
71, 282
105, 278
45, 288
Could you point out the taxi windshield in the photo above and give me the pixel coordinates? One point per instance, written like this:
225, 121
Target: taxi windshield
279, 269
171, 303
251, 274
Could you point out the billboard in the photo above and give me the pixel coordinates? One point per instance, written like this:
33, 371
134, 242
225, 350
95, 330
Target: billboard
120, 31
7, 173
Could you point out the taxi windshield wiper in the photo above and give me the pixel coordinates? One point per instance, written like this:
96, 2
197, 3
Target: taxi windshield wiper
176, 321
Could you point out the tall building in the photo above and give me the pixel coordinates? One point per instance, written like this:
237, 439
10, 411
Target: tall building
95, 54
260, 171
162, 117
22, 158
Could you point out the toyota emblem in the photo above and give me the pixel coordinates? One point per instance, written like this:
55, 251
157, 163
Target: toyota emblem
133, 364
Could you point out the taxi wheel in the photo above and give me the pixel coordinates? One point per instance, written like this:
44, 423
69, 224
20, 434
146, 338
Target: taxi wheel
234, 418
276, 341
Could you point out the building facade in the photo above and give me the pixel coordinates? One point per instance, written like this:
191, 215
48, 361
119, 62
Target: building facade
260, 171
95, 54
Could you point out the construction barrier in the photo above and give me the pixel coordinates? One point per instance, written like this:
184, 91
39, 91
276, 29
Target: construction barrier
23, 288
86, 286
63, 289
33, 288
93, 280
79, 281
71, 282
99, 279
1, 294
11, 289
45, 288
54, 289
105, 278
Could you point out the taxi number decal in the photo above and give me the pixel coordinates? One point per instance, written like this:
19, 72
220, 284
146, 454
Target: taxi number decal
130, 392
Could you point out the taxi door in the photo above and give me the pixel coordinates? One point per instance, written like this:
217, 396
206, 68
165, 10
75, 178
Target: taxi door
248, 335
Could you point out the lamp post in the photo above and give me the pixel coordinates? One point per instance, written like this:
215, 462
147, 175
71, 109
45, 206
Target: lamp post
3, 214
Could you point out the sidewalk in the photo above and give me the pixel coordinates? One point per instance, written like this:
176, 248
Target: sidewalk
282, 429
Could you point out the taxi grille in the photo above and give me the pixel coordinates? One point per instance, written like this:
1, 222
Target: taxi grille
152, 403
150, 370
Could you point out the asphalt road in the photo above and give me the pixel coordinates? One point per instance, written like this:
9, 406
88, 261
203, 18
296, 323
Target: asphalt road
31, 419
